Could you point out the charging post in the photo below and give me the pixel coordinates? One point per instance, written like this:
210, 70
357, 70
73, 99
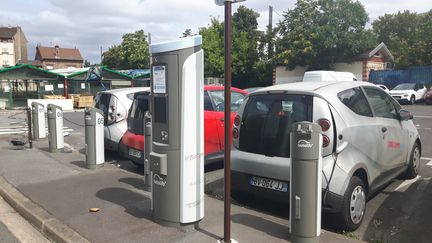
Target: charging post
38, 114
305, 182
94, 137
147, 150
55, 128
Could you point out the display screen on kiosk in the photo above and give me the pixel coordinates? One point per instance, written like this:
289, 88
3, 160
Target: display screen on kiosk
160, 110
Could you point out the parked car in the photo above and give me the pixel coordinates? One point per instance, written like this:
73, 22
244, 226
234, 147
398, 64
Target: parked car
115, 104
133, 140
368, 140
252, 89
428, 97
382, 86
408, 92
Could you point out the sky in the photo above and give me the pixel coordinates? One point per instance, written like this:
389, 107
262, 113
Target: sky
90, 25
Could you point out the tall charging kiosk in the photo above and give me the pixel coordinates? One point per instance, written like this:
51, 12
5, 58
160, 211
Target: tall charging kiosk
305, 183
55, 128
38, 113
177, 107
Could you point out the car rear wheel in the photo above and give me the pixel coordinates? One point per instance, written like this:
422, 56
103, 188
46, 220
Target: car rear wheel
412, 100
414, 163
354, 205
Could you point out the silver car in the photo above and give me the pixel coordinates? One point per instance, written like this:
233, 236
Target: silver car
115, 105
368, 140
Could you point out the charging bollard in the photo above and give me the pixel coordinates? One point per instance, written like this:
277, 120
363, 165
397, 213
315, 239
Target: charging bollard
55, 128
147, 150
38, 113
94, 137
305, 183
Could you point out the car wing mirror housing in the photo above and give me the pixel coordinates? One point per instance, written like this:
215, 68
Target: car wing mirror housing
405, 115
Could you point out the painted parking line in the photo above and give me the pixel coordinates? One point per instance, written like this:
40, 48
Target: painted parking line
427, 117
405, 184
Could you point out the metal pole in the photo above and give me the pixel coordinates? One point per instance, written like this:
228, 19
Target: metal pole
227, 124
65, 88
29, 125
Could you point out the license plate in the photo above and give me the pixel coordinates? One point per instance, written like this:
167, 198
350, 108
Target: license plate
135, 153
268, 183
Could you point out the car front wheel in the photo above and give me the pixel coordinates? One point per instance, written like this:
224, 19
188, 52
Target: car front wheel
414, 163
354, 205
412, 100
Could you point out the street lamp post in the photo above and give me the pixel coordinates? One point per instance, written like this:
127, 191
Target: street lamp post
227, 117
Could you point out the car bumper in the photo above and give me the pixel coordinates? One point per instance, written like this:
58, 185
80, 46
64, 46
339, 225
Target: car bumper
331, 202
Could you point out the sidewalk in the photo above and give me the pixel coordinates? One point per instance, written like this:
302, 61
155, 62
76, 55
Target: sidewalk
55, 192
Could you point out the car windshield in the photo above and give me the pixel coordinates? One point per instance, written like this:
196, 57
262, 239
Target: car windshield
136, 115
404, 87
219, 99
267, 121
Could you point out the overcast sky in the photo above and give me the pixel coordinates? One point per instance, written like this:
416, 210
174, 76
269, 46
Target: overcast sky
89, 25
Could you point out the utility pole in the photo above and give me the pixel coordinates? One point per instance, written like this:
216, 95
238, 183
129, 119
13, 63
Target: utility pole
270, 34
101, 55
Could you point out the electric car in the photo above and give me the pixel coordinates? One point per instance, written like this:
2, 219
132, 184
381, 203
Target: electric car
115, 104
368, 140
132, 143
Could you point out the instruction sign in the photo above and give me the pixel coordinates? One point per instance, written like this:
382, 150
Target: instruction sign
49, 87
159, 80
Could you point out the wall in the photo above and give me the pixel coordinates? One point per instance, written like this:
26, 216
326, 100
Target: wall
355, 67
284, 75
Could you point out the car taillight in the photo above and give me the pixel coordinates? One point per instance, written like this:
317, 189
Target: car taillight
237, 120
324, 124
235, 133
326, 141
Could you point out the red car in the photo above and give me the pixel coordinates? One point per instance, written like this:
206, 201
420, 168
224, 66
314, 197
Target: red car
132, 142
428, 97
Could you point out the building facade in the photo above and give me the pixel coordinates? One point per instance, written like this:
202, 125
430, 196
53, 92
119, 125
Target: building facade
379, 58
13, 46
58, 58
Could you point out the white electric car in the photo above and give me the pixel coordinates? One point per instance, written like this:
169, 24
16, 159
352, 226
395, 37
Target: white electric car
409, 92
115, 105
368, 140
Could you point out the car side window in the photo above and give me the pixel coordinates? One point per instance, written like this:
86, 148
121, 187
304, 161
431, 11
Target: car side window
208, 106
381, 103
356, 101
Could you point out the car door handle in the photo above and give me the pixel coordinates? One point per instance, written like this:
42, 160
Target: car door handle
384, 129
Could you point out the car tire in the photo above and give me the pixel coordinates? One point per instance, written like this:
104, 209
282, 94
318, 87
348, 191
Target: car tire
141, 166
353, 206
414, 163
412, 100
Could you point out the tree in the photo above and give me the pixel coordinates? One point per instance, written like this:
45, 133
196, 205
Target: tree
213, 45
132, 53
320, 33
87, 63
407, 35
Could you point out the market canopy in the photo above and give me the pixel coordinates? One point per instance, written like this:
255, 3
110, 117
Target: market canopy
28, 72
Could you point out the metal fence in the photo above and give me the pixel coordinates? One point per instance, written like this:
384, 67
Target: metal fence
391, 78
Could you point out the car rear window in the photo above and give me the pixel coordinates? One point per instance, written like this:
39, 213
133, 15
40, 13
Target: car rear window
267, 120
136, 115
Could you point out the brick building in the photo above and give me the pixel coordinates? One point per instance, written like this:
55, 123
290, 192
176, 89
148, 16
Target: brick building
57, 57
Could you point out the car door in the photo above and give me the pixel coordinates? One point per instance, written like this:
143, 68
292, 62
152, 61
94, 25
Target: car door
420, 91
394, 136
103, 102
211, 135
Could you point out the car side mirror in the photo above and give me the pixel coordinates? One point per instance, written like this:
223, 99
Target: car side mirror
405, 115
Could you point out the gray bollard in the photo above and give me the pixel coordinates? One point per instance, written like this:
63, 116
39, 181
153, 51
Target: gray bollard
94, 137
38, 113
147, 150
305, 183
55, 128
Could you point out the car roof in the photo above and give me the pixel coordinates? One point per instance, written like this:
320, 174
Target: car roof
322, 88
219, 87
125, 91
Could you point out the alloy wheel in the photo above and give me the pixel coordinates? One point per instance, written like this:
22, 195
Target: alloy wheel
357, 204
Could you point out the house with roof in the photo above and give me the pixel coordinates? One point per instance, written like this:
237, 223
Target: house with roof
57, 57
378, 58
13, 46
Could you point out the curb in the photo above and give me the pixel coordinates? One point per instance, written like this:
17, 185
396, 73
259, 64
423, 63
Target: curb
50, 226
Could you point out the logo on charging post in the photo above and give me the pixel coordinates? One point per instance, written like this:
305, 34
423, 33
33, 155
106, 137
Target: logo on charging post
304, 144
158, 180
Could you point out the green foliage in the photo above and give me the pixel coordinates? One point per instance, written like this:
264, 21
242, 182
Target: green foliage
318, 33
87, 63
213, 45
132, 53
408, 36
